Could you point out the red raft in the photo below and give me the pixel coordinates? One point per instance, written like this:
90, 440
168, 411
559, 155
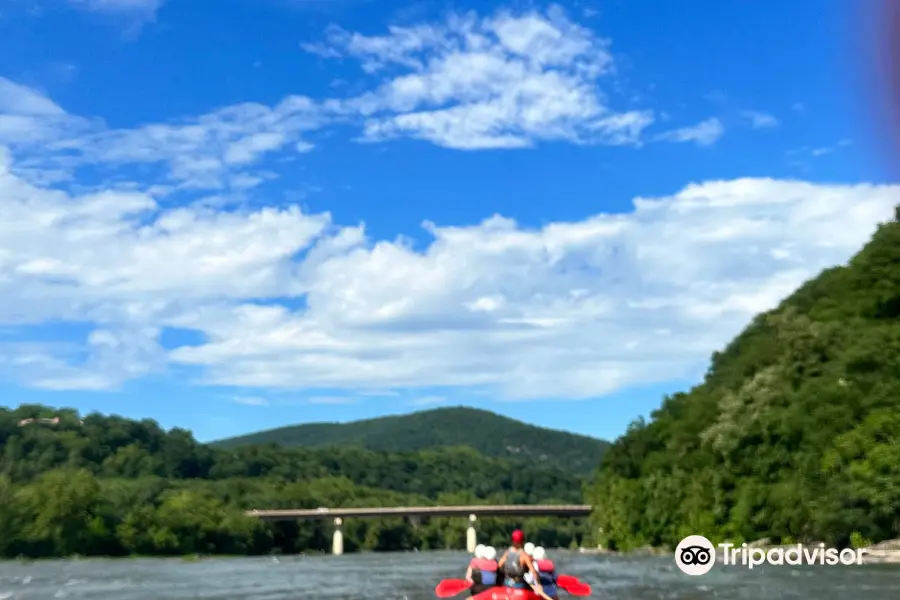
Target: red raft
505, 593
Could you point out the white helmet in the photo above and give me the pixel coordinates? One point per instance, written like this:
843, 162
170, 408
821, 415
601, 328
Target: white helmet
479, 551
539, 553
490, 553
529, 548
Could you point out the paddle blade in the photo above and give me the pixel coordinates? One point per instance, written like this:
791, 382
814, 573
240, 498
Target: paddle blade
579, 589
573, 586
451, 587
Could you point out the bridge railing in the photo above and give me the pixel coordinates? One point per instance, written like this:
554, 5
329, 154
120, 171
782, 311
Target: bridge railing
567, 510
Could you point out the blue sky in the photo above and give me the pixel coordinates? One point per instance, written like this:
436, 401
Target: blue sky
244, 214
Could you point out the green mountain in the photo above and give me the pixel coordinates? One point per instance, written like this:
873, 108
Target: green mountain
794, 434
488, 433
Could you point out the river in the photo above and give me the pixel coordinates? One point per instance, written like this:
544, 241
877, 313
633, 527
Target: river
412, 576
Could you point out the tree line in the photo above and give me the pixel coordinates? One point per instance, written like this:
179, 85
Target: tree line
111, 486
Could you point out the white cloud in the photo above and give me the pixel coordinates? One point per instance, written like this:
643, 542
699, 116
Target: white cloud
804, 156
30, 118
759, 120
509, 80
199, 151
331, 400
140, 7
427, 400
134, 13
574, 309
203, 152
704, 133
16, 99
506, 81
250, 400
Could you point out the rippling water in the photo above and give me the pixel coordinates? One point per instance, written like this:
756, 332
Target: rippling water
413, 577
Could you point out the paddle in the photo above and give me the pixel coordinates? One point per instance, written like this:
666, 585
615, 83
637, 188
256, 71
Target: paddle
448, 588
573, 586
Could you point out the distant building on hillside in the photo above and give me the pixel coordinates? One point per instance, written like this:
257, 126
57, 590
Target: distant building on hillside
43, 421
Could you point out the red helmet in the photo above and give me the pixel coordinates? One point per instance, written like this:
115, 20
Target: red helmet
518, 537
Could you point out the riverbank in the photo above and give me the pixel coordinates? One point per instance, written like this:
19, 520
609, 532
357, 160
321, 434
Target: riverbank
883, 552
887, 552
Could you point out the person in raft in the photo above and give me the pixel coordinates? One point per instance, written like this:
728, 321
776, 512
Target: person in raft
476, 556
528, 548
482, 571
516, 563
546, 572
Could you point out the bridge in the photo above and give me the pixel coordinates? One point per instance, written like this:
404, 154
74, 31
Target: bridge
416, 512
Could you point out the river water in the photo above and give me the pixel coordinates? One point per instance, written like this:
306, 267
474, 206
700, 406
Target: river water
412, 576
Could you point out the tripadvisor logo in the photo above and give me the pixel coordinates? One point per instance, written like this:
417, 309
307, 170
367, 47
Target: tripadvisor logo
696, 555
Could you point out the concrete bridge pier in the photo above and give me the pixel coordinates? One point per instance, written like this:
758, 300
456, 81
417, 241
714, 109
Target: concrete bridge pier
337, 540
471, 535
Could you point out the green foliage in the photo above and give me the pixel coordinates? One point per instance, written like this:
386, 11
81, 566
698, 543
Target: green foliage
858, 541
114, 486
488, 433
793, 434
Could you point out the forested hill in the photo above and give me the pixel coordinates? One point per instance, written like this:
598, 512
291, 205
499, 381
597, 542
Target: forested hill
108, 485
488, 433
794, 433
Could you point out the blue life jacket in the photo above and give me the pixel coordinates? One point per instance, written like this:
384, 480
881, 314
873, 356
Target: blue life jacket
547, 575
487, 570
